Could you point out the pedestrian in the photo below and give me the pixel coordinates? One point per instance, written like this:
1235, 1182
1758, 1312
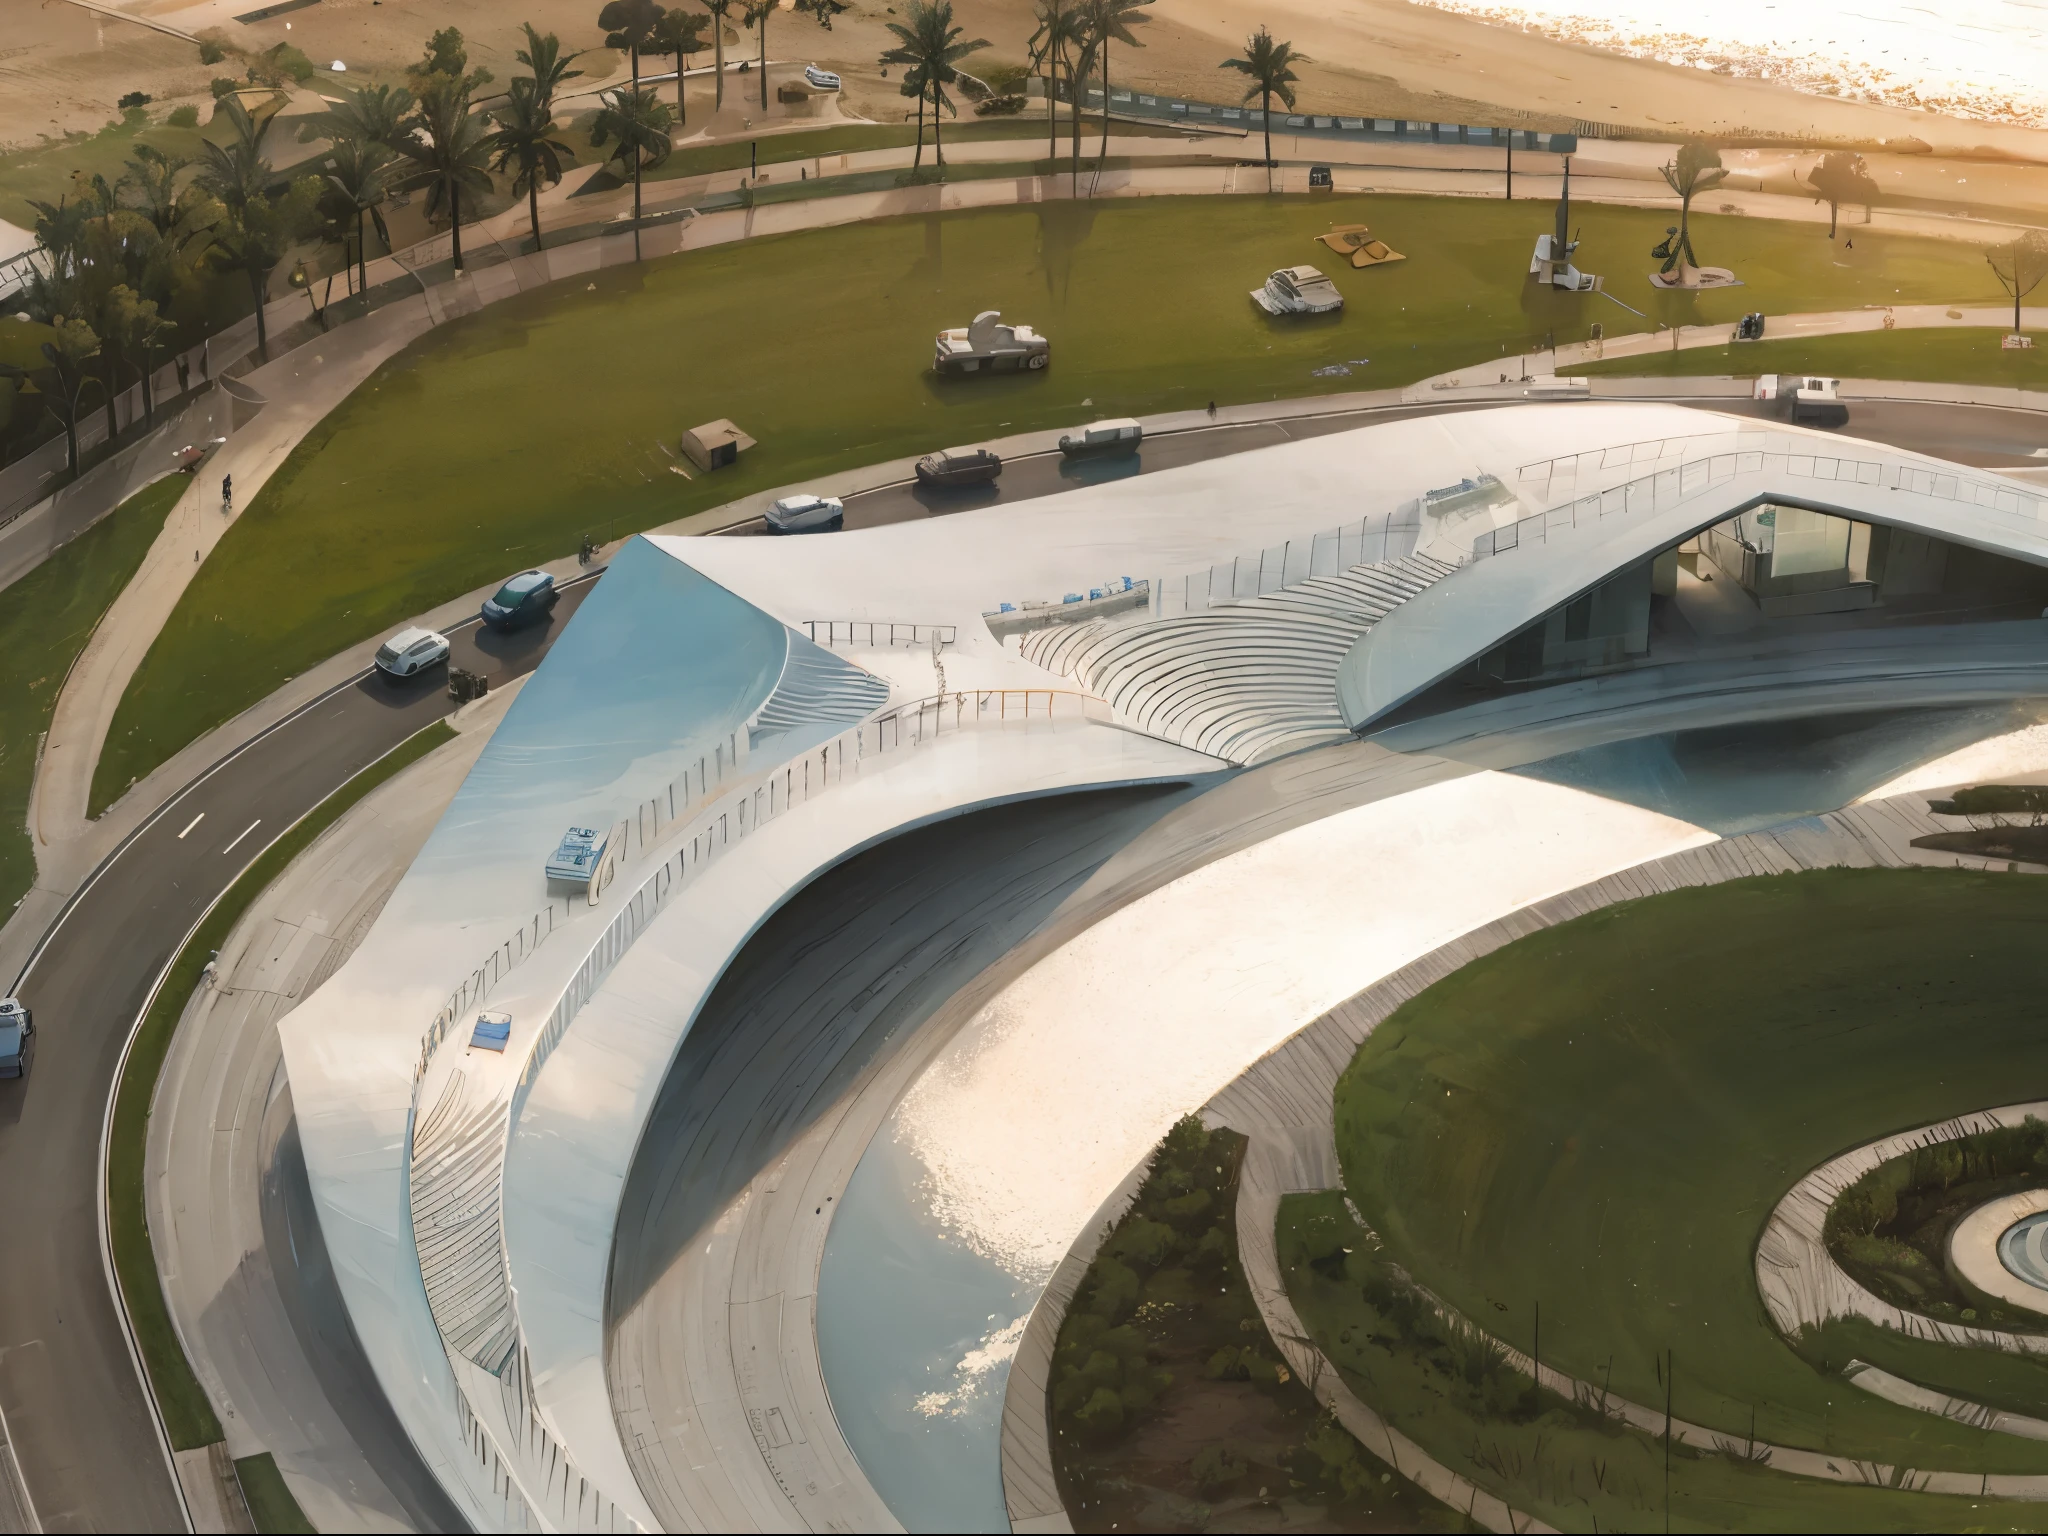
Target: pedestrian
1212, 410
227, 494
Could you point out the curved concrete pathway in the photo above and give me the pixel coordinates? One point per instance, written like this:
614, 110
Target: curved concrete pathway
1284, 1106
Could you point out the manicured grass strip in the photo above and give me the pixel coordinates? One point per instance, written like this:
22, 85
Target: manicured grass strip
1949, 355
496, 440
853, 138
1561, 1460
271, 1505
188, 1416
45, 619
1600, 1118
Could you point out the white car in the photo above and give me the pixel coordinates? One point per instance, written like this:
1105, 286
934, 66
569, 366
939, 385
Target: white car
823, 79
805, 513
1298, 291
411, 651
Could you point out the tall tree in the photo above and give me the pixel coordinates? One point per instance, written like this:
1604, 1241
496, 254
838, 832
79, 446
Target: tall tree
1841, 177
637, 124
255, 238
929, 44
236, 173
1060, 30
446, 55
153, 176
756, 15
449, 151
680, 33
358, 185
134, 331
1696, 168
2020, 266
372, 114
1269, 67
718, 10
628, 24
1111, 21
525, 144
821, 11
65, 371
546, 64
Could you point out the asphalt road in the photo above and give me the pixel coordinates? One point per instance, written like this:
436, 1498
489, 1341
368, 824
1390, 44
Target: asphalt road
82, 1429
1975, 435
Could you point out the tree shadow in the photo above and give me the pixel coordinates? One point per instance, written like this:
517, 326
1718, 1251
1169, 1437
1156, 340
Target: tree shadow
1100, 471
941, 499
1063, 228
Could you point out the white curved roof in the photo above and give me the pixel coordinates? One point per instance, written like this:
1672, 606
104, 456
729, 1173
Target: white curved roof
1592, 514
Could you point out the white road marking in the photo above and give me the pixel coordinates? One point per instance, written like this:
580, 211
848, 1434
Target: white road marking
243, 833
191, 824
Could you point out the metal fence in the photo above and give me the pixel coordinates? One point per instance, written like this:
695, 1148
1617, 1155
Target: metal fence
1368, 130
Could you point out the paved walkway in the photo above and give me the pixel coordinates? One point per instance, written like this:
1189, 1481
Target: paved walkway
222, 1107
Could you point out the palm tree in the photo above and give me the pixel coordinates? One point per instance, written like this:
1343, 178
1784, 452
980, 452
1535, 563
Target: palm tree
930, 45
756, 16
255, 238
63, 374
449, 145
237, 172
718, 8
680, 33
1060, 29
357, 187
1695, 169
628, 24
132, 330
374, 114
638, 123
1270, 66
154, 176
548, 65
524, 142
1111, 21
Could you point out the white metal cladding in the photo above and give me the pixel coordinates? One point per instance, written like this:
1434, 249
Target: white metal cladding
1523, 570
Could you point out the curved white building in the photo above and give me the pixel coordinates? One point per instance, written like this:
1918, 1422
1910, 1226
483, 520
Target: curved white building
1290, 680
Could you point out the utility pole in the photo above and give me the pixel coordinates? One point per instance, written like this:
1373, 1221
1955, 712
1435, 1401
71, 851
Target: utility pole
1511, 165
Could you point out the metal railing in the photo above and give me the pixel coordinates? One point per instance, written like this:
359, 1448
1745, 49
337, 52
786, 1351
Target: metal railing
1667, 487
877, 632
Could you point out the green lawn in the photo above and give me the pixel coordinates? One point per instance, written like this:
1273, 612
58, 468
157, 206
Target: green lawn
44, 172
849, 138
271, 1505
45, 620
1950, 355
499, 439
1562, 1461
1599, 1118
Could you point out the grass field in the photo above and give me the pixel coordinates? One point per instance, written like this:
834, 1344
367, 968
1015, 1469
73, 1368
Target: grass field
45, 172
499, 439
271, 1505
188, 1415
1958, 355
45, 620
851, 138
1559, 1460
1599, 1118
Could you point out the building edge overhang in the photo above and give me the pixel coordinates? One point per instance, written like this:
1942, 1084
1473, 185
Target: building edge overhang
1557, 558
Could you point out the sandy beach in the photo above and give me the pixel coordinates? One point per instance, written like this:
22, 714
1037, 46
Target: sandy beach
63, 67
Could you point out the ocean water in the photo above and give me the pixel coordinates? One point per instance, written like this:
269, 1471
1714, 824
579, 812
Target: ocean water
1969, 58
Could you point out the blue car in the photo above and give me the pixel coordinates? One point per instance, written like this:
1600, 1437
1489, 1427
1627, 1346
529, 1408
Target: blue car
526, 599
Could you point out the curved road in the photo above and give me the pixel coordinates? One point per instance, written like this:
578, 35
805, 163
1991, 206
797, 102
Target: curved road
81, 1428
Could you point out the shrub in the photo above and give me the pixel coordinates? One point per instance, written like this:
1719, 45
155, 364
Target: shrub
1142, 1244
1227, 1364
1215, 1469
1185, 1209
223, 85
1000, 106
134, 99
280, 66
212, 48
1102, 1416
186, 116
1116, 1291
